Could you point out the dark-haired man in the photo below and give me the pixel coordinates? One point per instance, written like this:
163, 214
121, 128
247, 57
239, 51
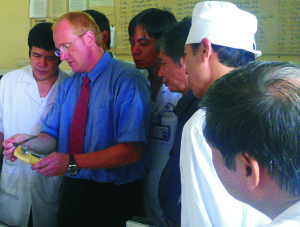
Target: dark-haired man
144, 30
103, 24
252, 125
172, 70
221, 39
26, 96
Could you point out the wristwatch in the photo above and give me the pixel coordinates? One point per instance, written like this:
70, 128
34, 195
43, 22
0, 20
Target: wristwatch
72, 169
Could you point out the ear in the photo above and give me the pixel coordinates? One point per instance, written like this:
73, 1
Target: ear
89, 38
182, 63
104, 36
251, 170
206, 48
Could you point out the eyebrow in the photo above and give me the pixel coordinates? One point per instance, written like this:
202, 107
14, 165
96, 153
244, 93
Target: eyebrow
141, 39
43, 55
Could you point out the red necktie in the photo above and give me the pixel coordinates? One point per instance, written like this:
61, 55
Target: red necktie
77, 131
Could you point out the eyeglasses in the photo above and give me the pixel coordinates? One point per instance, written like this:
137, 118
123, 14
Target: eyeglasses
63, 49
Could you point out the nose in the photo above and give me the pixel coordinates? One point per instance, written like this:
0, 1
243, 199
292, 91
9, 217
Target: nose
160, 71
135, 50
42, 61
63, 56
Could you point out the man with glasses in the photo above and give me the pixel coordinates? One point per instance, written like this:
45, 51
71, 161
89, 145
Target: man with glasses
26, 95
103, 178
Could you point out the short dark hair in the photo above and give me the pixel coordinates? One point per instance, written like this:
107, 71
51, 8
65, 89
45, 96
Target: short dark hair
256, 109
102, 22
228, 56
173, 40
154, 21
41, 36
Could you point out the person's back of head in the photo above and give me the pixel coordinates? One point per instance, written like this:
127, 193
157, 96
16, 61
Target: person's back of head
230, 30
255, 110
172, 41
41, 36
102, 22
154, 21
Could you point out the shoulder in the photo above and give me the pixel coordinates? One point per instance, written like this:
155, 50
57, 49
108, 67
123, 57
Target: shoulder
68, 80
17, 75
195, 123
63, 74
125, 72
123, 66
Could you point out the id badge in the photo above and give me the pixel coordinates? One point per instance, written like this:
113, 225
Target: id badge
161, 132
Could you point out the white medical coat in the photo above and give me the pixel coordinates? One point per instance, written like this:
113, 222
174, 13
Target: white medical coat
205, 201
22, 111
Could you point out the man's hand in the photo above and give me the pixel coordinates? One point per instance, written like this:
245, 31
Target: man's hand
56, 164
9, 148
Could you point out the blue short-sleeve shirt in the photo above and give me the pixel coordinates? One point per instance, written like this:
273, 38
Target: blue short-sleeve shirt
118, 112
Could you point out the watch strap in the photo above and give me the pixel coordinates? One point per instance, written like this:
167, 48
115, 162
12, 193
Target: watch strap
72, 159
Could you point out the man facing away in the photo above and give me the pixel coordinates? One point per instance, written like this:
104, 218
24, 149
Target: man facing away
252, 125
172, 70
221, 39
26, 96
103, 24
103, 178
145, 29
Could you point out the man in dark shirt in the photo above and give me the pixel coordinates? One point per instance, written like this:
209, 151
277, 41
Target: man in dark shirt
171, 56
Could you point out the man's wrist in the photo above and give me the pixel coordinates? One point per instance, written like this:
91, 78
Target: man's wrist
72, 168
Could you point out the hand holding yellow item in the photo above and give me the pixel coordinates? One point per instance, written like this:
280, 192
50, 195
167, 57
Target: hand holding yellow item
24, 154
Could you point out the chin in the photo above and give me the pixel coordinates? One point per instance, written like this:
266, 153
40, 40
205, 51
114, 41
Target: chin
138, 66
74, 70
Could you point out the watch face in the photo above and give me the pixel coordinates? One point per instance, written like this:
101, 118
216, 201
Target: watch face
72, 170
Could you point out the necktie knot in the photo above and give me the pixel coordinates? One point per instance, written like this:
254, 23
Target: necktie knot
86, 81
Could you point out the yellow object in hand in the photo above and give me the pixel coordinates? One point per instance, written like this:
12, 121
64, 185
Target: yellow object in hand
27, 158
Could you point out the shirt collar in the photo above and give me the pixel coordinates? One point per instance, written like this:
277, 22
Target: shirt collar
289, 214
99, 67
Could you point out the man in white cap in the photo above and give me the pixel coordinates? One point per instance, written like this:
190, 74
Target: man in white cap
221, 39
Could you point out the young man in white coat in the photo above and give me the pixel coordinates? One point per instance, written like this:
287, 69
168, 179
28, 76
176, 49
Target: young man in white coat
26, 95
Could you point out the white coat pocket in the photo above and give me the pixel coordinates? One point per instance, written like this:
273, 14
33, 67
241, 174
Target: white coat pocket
10, 177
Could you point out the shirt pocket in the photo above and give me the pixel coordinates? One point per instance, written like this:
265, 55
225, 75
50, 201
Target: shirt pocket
102, 127
10, 177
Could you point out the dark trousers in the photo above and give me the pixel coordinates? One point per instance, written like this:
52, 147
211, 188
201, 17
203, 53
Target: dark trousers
89, 203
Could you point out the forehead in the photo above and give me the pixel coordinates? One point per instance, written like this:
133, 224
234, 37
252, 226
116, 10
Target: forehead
163, 56
42, 51
140, 32
62, 32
